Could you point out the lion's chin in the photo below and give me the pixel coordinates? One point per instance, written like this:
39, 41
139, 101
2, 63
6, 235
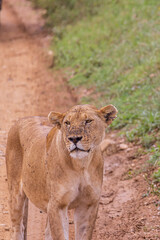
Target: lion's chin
79, 154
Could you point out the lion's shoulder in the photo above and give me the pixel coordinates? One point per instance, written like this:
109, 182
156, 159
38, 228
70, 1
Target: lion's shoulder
32, 129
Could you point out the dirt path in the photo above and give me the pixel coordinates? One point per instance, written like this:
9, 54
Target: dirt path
125, 213
27, 87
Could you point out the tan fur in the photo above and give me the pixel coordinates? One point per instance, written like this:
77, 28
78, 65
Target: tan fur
57, 168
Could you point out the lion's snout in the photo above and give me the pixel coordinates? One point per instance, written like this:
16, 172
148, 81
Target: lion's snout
75, 140
75, 143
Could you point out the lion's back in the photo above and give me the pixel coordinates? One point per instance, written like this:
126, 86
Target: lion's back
33, 127
27, 131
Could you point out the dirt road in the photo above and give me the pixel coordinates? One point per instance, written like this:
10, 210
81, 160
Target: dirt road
28, 87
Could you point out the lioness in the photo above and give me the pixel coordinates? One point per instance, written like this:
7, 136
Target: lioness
57, 167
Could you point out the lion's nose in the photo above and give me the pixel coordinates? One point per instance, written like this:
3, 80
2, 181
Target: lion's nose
75, 139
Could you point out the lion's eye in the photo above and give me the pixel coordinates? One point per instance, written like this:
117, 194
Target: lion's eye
67, 123
88, 121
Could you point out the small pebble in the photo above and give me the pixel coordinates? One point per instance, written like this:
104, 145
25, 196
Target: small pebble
123, 146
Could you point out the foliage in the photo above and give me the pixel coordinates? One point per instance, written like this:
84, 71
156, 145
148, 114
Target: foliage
155, 157
63, 12
155, 162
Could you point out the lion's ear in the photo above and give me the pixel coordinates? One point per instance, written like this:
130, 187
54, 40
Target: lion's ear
108, 113
56, 118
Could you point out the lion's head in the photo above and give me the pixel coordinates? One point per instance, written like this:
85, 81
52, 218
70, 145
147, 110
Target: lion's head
83, 127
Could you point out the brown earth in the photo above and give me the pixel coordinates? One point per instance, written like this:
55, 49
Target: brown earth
29, 87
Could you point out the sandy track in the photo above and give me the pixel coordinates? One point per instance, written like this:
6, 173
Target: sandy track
27, 87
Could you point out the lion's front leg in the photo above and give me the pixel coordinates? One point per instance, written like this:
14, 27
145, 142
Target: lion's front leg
85, 217
48, 235
57, 226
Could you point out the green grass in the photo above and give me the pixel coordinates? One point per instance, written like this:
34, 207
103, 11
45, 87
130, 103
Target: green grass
155, 162
150, 170
117, 53
113, 48
64, 12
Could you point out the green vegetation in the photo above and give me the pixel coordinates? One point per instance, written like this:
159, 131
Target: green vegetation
151, 170
154, 162
112, 48
64, 12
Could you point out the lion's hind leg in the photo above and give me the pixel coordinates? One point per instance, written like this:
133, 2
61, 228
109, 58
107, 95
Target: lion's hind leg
18, 201
25, 218
19, 213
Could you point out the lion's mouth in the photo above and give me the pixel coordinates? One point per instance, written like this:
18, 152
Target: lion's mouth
76, 149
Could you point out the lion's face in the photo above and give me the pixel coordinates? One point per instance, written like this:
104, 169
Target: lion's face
83, 127
82, 130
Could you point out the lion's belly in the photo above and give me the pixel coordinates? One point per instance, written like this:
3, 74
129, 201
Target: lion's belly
34, 177
36, 190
